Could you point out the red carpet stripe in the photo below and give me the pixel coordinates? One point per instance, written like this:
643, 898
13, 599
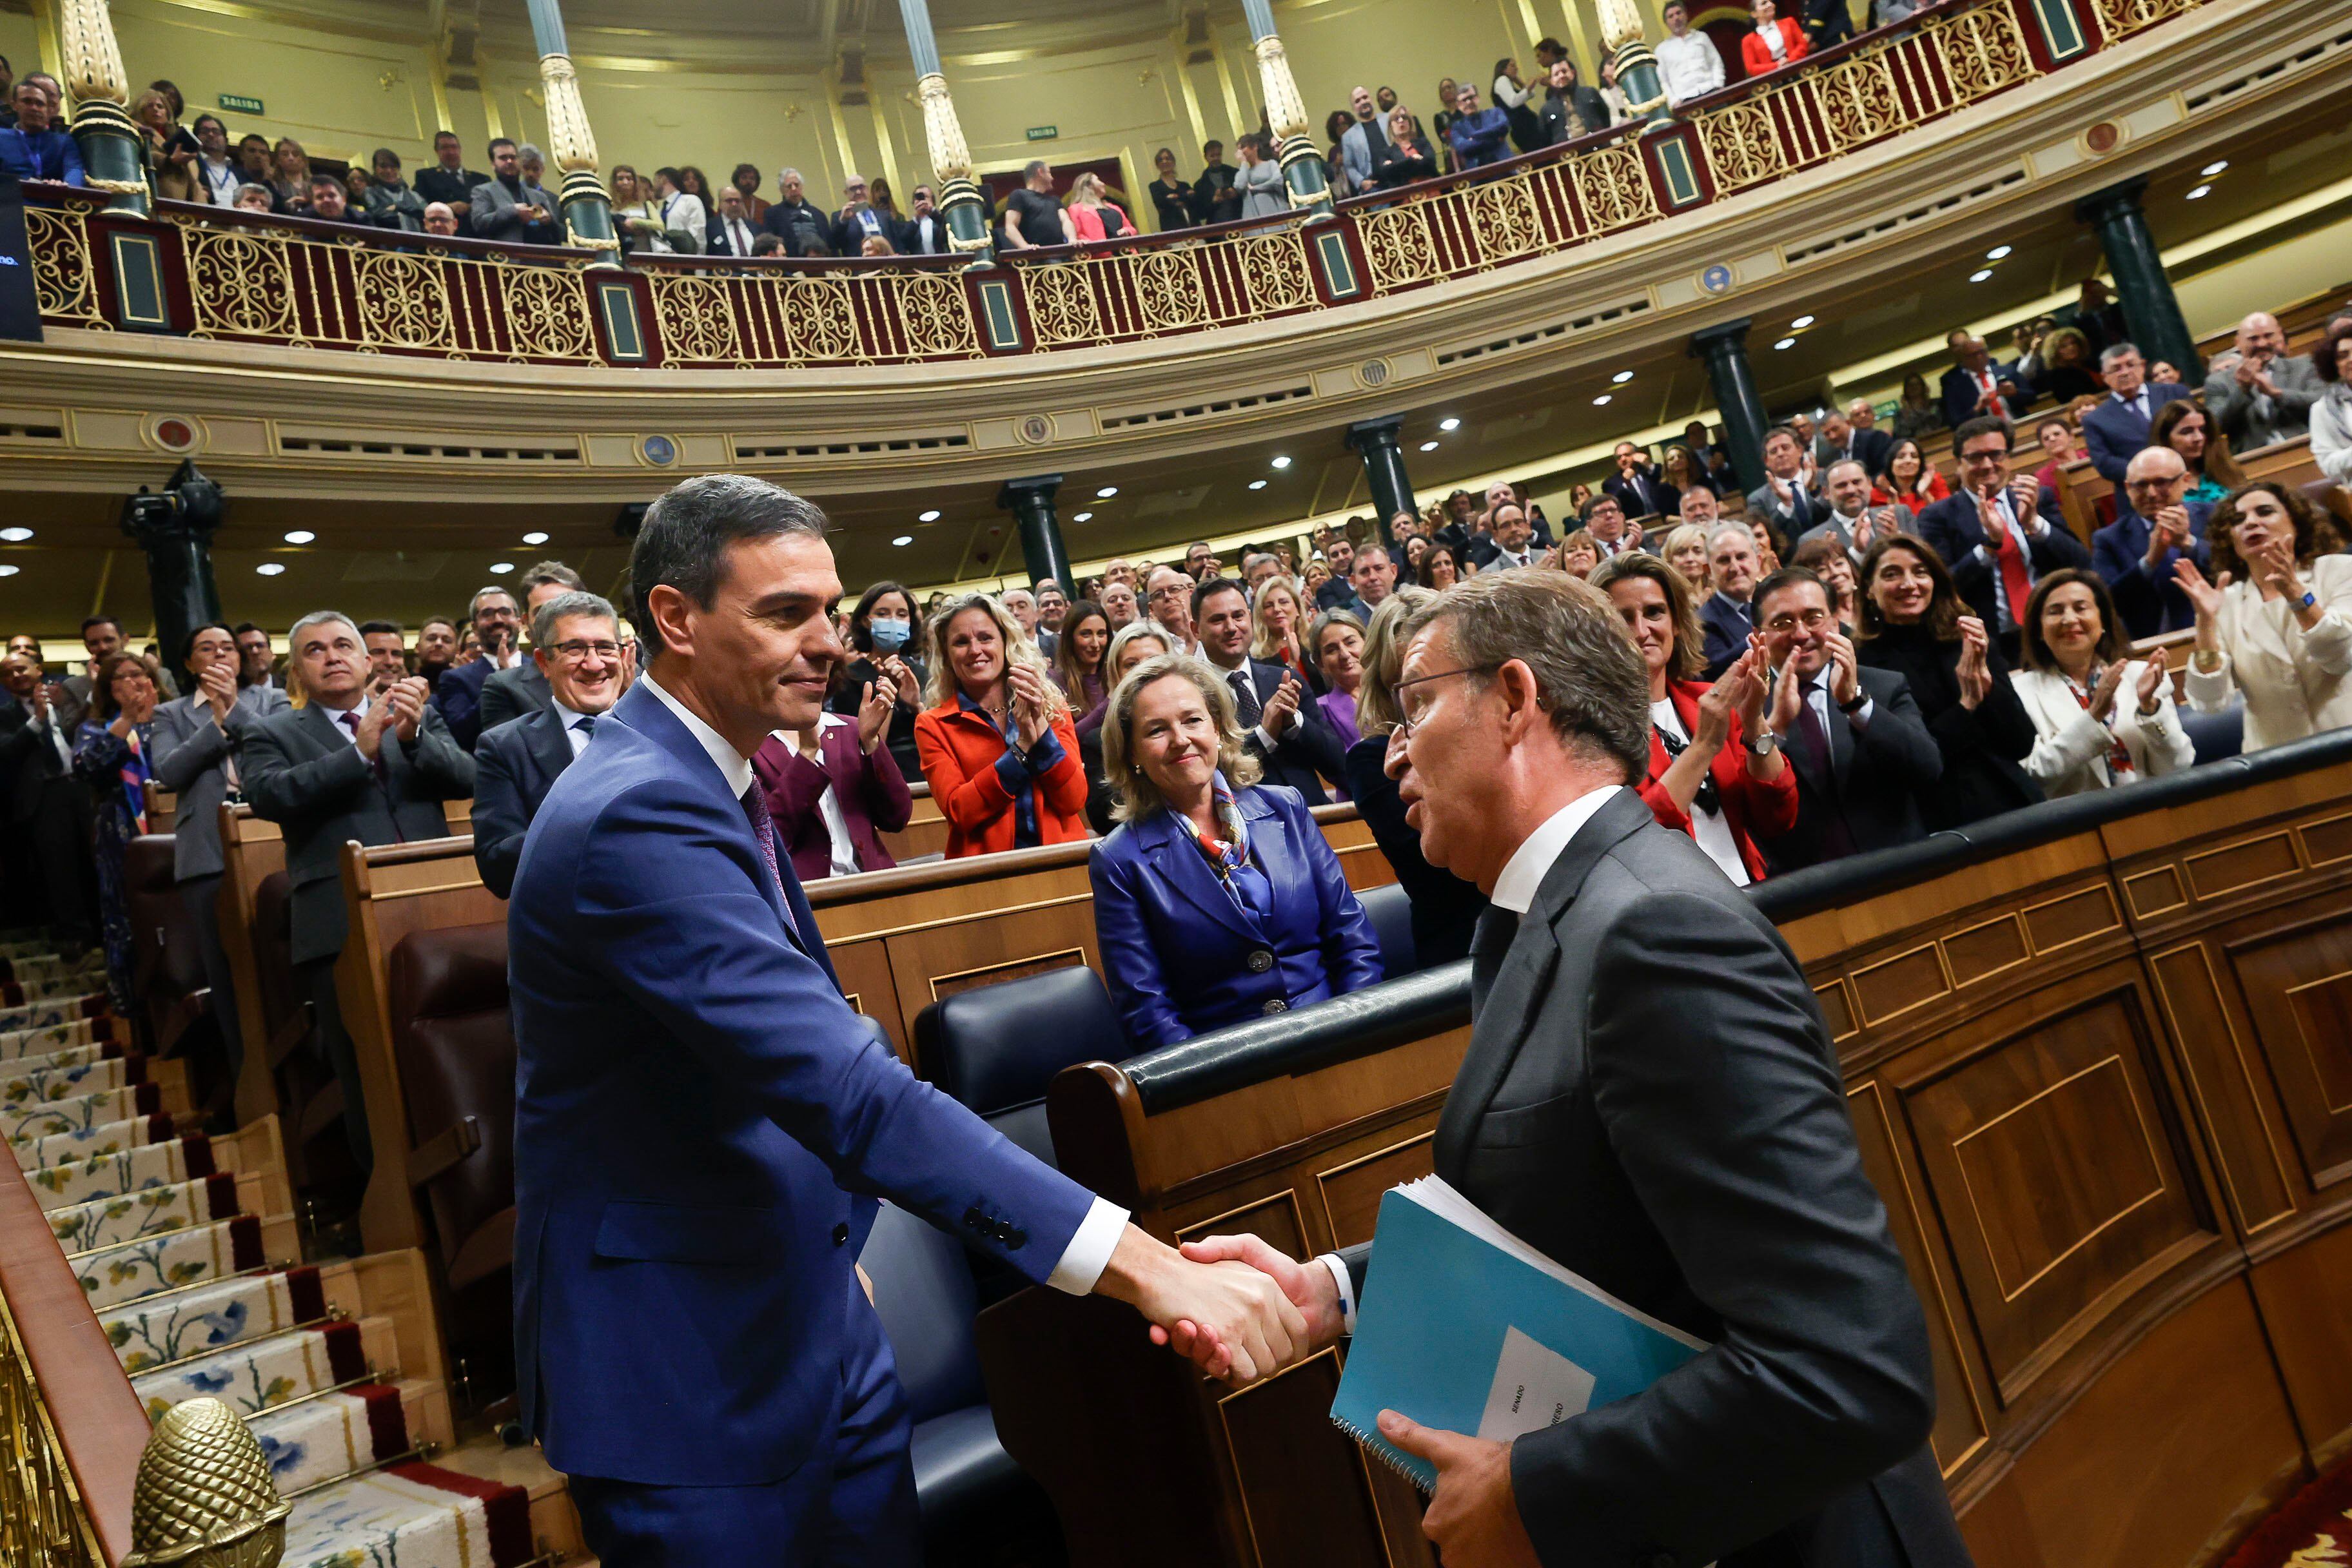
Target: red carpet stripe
346, 1357
195, 1149
387, 1423
305, 1294
148, 1098
245, 1242
220, 1196
508, 1508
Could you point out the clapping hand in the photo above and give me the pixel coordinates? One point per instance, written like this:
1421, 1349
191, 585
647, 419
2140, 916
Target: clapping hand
405, 699
1716, 706
2170, 531
2151, 682
218, 684
1748, 681
1974, 672
1281, 709
1633, 540
2204, 597
2272, 564
1845, 677
374, 722
2103, 692
2025, 495
902, 679
874, 710
1787, 687
1030, 704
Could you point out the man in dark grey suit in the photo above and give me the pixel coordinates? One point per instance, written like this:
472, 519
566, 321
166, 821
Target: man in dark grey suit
511, 693
49, 809
196, 740
1282, 726
366, 761
1649, 1097
577, 642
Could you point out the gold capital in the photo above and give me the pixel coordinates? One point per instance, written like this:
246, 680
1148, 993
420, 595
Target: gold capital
1620, 25
942, 132
1286, 113
569, 141
93, 60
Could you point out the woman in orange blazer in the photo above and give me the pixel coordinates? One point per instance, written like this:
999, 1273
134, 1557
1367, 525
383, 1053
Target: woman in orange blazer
1756, 50
997, 745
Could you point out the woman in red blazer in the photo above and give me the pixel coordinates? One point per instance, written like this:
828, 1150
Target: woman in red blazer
1704, 778
998, 744
1757, 53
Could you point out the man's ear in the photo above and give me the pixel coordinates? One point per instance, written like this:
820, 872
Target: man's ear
673, 617
1522, 704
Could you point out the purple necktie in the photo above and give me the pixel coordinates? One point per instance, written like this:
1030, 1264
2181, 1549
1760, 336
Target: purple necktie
763, 828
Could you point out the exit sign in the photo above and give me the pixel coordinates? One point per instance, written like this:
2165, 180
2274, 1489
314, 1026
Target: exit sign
1044, 133
230, 102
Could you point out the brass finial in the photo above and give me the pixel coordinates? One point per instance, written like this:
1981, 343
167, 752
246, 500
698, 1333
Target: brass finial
204, 1496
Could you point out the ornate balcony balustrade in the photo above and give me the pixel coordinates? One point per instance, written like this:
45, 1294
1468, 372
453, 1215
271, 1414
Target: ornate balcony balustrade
240, 277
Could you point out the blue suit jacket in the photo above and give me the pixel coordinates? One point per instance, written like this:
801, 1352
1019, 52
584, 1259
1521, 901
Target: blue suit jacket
1310, 750
1727, 627
2113, 432
1181, 955
1961, 394
2148, 603
515, 764
695, 1106
459, 695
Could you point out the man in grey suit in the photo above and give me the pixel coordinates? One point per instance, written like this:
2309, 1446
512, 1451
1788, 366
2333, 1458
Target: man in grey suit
366, 761
577, 641
1649, 1097
511, 693
507, 207
196, 740
2262, 394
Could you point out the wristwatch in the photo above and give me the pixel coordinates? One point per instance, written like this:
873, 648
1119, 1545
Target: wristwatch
2310, 599
1860, 698
1763, 745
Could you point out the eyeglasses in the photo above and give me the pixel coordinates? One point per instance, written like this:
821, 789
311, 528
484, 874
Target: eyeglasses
574, 652
1408, 714
1811, 620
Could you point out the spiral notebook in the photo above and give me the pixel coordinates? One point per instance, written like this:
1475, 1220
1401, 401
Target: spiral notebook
1465, 1327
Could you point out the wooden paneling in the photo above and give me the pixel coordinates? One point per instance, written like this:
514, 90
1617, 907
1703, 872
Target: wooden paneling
1351, 1193
2298, 987
2232, 1103
2307, 1311
1303, 1498
252, 850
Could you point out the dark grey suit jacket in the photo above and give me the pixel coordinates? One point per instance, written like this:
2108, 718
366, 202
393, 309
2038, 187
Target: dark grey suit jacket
189, 751
28, 758
1650, 1097
511, 693
1876, 777
514, 767
300, 771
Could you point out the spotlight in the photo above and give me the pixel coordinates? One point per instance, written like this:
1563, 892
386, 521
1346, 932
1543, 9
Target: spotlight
1801, 323
1601, 401
1980, 274
1997, 252
931, 516
300, 536
1282, 462
501, 568
2210, 169
904, 540
1449, 424
2201, 193
10, 571
1622, 377
1785, 343
1083, 517
1105, 493
534, 539
1429, 445
1257, 484
16, 535
271, 568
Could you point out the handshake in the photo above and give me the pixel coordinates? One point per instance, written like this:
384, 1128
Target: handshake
1235, 1307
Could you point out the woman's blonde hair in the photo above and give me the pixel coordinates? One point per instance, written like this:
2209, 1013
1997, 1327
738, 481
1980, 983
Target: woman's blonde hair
1087, 186
1682, 536
1262, 643
1384, 659
1019, 648
1138, 796
1134, 629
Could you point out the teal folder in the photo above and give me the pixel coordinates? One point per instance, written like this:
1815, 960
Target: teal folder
1465, 1327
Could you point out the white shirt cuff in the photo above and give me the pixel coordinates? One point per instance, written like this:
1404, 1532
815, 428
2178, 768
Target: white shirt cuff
1089, 1251
1347, 1288
1860, 716
1268, 742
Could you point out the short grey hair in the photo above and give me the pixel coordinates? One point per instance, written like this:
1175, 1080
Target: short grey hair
789, 172
579, 602
527, 153
1746, 533
264, 191
683, 542
1588, 676
320, 617
2114, 351
1137, 795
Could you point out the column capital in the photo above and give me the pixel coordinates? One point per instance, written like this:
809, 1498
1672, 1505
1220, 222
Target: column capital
1016, 493
1715, 340
1385, 431
2114, 201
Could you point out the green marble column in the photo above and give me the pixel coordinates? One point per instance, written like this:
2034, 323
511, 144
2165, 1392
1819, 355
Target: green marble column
2150, 309
1737, 403
1043, 553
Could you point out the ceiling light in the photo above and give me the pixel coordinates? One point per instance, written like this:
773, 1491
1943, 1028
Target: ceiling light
534, 539
300, 536
1601, 401
2210, 169
1980, 274
501, 568
1997, 252
1449, 424
904, 540
2199, 192
1257, 484
931, 516
10, 571
1429, 445
1084, 517
1282, 462
1105, 493
16, 535
1785, 343
1622, 377
270, 568
1801, 323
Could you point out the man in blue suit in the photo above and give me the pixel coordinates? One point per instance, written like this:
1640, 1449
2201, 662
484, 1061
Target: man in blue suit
1282, 726
702, 1123
1999, 534
1728, 615
2116, 429
2154, 532
576, 640
457, 695
1978, 385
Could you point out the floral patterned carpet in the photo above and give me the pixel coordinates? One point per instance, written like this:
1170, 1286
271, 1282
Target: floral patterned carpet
2313, 1530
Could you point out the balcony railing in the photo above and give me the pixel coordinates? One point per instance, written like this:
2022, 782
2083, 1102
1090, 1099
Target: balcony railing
203, 273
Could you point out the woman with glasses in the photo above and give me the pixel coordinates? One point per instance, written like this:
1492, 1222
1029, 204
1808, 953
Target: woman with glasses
2103, 719
2274, 624
111, 754
1716, 768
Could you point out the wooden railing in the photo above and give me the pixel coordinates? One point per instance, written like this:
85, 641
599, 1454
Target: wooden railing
208, 273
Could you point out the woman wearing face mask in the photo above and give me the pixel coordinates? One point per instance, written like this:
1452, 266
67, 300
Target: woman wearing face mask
997, 743
2275, 622
881, 637
2105, 719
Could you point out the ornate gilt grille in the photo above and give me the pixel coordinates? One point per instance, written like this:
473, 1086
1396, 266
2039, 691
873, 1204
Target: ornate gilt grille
720, 315
43, 1521
62, 288
1476, 227
1148, 291
2124, 17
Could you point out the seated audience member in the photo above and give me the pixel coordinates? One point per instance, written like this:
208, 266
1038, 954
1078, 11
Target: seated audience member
1825, 558
998, 746
1860, 750
1078, 668
1726, 615
1479, 136
1775, 42
1579, 553
1690, 66
1611, 534
1913, 623
1216, 900
2064, 369
1979, 386
2102, 718
1118, 601
1283, 729
1908, 480
1716, 768
1998, 534
1372, 576
2331, 413
1509, 542
2274, 624
1638, 485
2184, 428
2156, 528
1850, 520
1022, 604
113, 754
1918, 412
328, 202
833, 789
1338, 643
39, 150
1442, 567
1339, 559
886, 648
575, 639
1405, 156
440, 219
255, 198
2059, 448
2115, 430
2264, 395
1788, 498
358, 761
1684, 549
1280, 638
509, 209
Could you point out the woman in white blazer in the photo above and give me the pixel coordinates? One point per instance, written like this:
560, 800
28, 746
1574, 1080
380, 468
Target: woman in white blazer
2275, 622
2101, 719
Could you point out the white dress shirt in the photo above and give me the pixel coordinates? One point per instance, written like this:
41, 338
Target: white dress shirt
738, 236
1098, 1235
1690, 66
571, 718
2024, 538
1770, 34
828, 803
1711, 828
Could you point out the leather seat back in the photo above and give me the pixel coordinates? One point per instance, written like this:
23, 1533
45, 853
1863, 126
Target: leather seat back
995, 1047
924, 1294
164, 936
453, 1044
273, 949
1390, 912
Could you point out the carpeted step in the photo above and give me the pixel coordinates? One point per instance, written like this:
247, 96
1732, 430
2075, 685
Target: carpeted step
259, 1374
326, 1438
45, 1015
114, 1275
147, 1334
64, 1075
12, 1069
26, 1123
19, 1043
419, 1516
59, 987
150, 1211
113, 1158
32, 966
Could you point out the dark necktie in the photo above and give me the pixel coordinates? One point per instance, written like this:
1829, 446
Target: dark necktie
763, 828
586, 725
349, 720
1245, 699
1497, 927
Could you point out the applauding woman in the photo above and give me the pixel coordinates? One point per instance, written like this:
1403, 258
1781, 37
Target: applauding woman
1716, 768
111, 755
1281, 631
1338, 639
1079, 667
833, 789
1913, 624
2275, 622
886, 652
2103, 719
998, 746
1215, 901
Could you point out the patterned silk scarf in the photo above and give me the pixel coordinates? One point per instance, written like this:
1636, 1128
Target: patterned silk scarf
1238, 871
2119, 762
134, 774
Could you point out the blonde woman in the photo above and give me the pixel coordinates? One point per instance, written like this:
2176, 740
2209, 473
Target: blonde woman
1210, 875
1280, 637
1685, 548
1092, 215
998, 746
637, 214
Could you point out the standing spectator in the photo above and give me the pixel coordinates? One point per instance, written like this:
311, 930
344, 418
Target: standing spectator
2158, 526
886, 651
1512, 98
746, 179
1917, 413
686, 224
509, 209
1337, 640
1978, 385
1079, 650
1690, 66
1639, 486
449, 182
437, 649
925, 231
171, 151
576, 646
1214, 200
795, 220
49, 806
731, 233
1509, 543
1777, 41
998, 746
1476, 134
1169, 595
1053, 608
113, 757
2059, 447
1851, 521
1913, 623
2331, 413
2097, 314
1834, 563
1828, 23
636, 217
522, 687
833, 789
1361, 145
1372, 576
1171, 198
1908, 480
256, 664
1843, 439
1613, 96
1281, 636
1997, 534
1785, 497
1118, 603
1260, 181
2102, 718
216, 170
33, 150
1569, 109
1716, 770
1728, 615
858, 219
497, 623
1684, 549
2275, 625
2065, 366
1094, 215
1684, 472
2187, 431
1032, 216
1579, 553
1609, 533
2116, 429
392, 202
1407, 156
1283, 728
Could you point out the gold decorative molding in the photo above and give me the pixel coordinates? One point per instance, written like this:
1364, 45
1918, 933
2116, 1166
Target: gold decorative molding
1621, 24
205, 1498
93, 60
1285, 112
42, 1517
570, 140
942, 132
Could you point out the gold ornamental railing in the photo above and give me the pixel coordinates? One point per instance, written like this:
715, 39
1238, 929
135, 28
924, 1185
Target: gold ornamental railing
43, 1522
